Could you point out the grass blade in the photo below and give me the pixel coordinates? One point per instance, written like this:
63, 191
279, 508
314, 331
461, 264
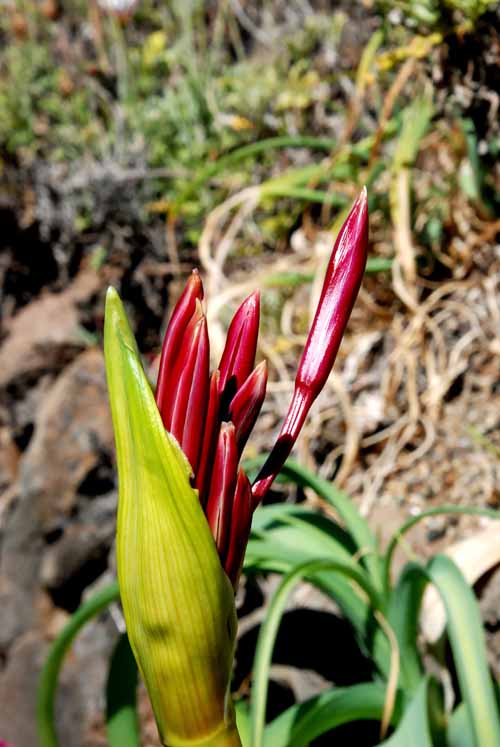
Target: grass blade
459, 733
292, 279
243, 721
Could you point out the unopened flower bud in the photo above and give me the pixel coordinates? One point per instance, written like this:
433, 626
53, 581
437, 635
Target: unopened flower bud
340, 288
177, 600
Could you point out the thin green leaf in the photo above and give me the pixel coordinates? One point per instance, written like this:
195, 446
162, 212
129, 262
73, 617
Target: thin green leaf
459, 728
243, 721
397, 536
269, 630
252, 150
47, 684
403, 616
314, 532
341, 502
306, 194
303, 722
378, 264
416, 121
460, 732
274, 547
414, 729
288, 279
122, 721
465, 630
367, 60
268, 555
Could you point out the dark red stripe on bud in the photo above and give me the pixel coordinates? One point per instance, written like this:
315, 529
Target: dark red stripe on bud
240, 528
191, 394
210, 431
241, 344
246, 404
222, 487
340, 288
179, 320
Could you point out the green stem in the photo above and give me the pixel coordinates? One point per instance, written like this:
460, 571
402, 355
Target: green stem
47, 684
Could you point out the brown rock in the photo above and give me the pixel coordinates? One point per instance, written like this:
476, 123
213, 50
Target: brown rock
9, 459
81, 686
73, 431
83, 542
18, 686
44, 335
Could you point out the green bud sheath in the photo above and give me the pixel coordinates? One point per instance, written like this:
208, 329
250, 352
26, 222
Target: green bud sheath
178, 601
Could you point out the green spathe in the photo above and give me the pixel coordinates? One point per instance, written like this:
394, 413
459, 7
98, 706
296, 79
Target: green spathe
178, 602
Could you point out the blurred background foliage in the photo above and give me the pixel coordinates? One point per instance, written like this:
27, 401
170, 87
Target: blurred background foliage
110, 117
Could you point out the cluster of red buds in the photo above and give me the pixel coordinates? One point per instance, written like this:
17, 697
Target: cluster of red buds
212, 415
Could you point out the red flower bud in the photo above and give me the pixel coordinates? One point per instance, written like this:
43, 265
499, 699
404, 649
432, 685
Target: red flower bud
239, 352
212, 417
179, 320
222, 487
340, 288
246, 403
241, 520
210, 437
189, 401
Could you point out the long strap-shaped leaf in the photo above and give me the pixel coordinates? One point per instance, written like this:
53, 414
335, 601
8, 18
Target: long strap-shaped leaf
303, 722
47, 684
414, 730
466, 634
286, 536
343, 505
403, 613
269, 630
437, 511
465, 631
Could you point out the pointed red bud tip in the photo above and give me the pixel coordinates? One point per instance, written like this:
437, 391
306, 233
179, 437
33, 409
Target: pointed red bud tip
191, 394
179, 320
240, 528
340, 288
246, 404
170, 382
222, 487
241, 344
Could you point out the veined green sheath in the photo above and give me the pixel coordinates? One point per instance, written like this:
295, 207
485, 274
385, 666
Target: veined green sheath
178, 601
